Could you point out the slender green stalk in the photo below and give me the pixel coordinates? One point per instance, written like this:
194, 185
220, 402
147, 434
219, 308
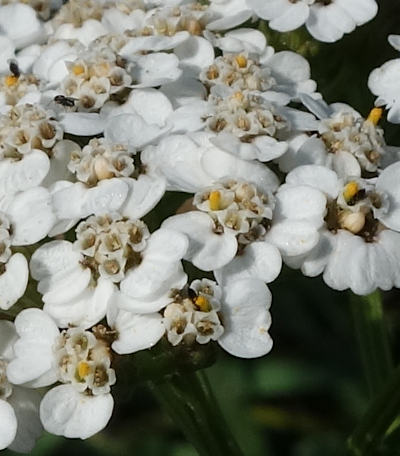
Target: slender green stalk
191, 404
378, 419
372, 339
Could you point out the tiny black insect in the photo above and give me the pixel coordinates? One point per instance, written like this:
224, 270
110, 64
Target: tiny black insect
64, 101
14, 68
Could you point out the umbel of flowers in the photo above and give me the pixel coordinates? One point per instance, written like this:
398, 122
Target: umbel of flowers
105, 106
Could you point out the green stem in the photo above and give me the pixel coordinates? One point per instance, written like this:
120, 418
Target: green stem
191, 404
372, 339
379, 417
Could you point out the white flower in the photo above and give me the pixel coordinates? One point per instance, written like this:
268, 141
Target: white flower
19, 407
326, 20
232, 217
359, 235
235, 315
250, 126
345, 142
104, 184
82, 405
383, 83
283, 75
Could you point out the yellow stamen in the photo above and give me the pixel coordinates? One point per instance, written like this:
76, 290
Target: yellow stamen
78, 69
83, 369
11, 80
215, 200
375, 115
202, 303
241, 61
239, 96
350, 190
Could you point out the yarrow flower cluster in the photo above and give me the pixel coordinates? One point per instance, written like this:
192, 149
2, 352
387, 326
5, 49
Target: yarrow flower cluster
105, 106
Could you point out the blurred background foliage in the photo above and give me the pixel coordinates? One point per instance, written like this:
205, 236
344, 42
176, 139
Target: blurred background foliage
306, 396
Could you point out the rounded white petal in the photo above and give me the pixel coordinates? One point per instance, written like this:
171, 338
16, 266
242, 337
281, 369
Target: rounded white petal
85, 310
293, 237
89, 31
219, 164
300, 202
8, 427
156, 69
137, 332
20, 23
259, 260
82, 123
13, 281
144, 194
389, 183
195, 54
64, 411
207, 250
52, 258
31, 214
246, 319
34, 350
315, 176
16, 176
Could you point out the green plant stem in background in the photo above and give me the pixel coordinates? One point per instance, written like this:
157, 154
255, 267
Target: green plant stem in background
191, 404
372, 339
378, 419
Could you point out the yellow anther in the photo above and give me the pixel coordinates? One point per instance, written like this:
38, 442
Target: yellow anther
83, 369
350, 190
202, 304
11, 80
375, 115
241, 61
215, 200
239, 96
78, 69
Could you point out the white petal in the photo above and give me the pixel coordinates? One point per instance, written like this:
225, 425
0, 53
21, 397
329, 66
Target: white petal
61, 288
300, 202
259, 260
34, 350
32, 216
24, 174
137, 332
156, 69
178, 158
388, 182
20, 23
246, 319
133, 130
66, 412
89, 31
52, 258
207, 250
13, 281
315, 176
293, 238
219, 164
144, 194
84, 311
82, 123
8, 428
195, 54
